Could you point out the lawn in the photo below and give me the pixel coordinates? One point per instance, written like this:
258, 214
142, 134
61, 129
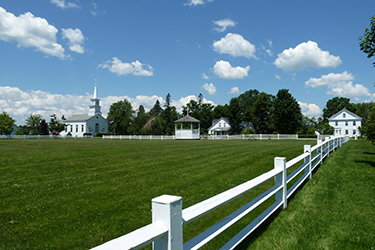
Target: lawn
77, 194
334, 210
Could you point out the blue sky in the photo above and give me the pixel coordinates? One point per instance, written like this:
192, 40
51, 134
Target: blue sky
51, 52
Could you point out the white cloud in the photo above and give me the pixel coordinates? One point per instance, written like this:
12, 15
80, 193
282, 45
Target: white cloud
224, 70
310, 109
234, 45
339, 85
20, 104
63, 5
196, 2
135, 68
76, 39
278, 77
30, 31
210, 88
306, 55
223, 24
204, 76
234, 91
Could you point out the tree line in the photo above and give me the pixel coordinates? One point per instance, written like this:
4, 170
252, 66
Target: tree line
267, 113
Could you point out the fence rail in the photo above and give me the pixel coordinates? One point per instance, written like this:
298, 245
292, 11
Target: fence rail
44, 137
168, 218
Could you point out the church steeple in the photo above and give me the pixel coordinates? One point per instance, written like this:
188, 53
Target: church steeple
95, 106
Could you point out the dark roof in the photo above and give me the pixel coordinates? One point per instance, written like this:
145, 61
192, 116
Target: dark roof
187, 118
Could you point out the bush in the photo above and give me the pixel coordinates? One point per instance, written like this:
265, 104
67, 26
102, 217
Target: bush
99, 134
247, 131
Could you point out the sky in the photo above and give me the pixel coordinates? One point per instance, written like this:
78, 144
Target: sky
53, 51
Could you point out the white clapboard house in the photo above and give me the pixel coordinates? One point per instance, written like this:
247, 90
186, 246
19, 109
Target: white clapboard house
345, 123
91, 123
220, 127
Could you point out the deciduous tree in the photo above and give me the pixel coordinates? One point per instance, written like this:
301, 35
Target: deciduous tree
367, 40
120, 117
336, 104
33, 123
7, 123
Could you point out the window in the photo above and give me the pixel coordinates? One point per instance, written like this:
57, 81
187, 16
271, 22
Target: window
71, 128
337, 123
97, 127
353, 131
344, 115
353, 123
219, 125
76, 128
83, 128
225, 124
346, 123
346, 132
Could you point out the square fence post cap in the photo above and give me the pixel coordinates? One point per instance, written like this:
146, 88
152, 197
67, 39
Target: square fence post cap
166, 199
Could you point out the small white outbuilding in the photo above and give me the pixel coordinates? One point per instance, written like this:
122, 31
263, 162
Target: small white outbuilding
219, 128
187, 128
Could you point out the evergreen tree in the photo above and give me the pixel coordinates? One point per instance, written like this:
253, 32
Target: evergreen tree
287, 115
43, 128
168, 116
156, 110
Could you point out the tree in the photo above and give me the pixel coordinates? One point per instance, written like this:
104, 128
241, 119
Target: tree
156, 110
7, 123
139, 121
33, 122
336, 104
168, 114
367, 40
262, 114
287, 115
235, 117
43, 128
120, 117
55, 126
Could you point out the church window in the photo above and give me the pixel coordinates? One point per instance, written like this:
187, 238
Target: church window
76, 128
83, 128
71, 128
96, 127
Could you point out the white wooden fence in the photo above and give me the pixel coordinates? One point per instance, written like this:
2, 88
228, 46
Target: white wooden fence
218, 137
44, 137
168, 218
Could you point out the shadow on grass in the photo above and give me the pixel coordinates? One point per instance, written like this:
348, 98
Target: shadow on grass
371, 163
369, 153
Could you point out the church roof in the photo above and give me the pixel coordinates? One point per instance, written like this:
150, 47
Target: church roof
78, 117
187, 118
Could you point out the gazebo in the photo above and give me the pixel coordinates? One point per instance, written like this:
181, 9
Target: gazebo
187, 128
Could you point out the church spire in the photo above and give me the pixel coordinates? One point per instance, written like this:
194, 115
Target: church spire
95, 106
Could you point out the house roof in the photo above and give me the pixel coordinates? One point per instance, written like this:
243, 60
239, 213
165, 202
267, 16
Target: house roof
78, 117
346, 111
216, 121
187, 118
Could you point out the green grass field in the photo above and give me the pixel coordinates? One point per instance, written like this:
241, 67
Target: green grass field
77, 194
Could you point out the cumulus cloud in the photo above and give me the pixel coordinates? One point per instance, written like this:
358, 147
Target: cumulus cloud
135, 68
223, 24
63, 5
210, 88
339, 85
310, 109
234, 91
196, 2
76, 39
234, 45
224, 70
20, 104
305, 55
204, 76
30, 31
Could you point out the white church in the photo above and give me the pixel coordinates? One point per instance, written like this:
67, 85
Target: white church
92, 123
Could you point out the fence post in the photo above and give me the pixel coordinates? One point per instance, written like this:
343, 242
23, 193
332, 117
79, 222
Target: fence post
140, 137
168, 209
280, 180
320, 151
327, 147
150, 137
307, 149
260, 136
